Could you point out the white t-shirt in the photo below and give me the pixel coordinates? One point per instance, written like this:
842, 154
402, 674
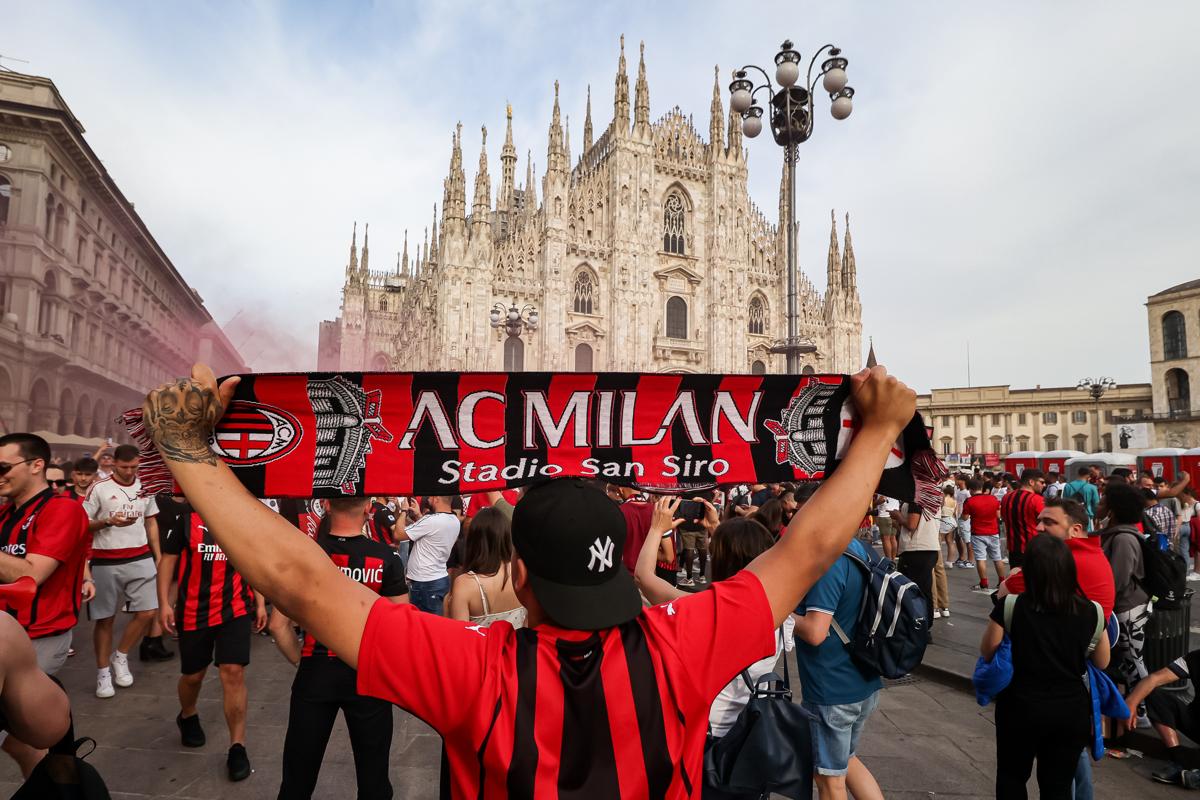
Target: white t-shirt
733, 698
925, 537
433, 537
960, 497
106, 498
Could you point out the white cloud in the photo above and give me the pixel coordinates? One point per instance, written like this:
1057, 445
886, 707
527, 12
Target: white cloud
1020, 176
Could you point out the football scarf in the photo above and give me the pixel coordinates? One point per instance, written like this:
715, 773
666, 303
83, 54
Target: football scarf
443, 433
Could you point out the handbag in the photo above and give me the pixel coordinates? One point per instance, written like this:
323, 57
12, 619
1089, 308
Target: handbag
770, 746
63, 774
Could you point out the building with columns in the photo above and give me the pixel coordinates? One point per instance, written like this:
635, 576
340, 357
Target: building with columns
645, 253
92, 311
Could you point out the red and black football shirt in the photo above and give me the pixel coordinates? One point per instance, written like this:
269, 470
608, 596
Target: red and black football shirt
1020, 510
374, 565
211, 592
382, 524
55, 527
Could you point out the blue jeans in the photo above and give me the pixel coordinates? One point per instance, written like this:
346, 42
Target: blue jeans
428, 595
836, 730
1083, 776
1183, 545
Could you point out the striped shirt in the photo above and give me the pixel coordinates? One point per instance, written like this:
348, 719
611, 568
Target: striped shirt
1020, 510
54, 527
211, 592
545, 711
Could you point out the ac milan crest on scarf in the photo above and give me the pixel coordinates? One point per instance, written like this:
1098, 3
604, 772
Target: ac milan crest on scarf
442, 433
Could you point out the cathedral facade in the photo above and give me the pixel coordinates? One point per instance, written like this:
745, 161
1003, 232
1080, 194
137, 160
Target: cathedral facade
645, 254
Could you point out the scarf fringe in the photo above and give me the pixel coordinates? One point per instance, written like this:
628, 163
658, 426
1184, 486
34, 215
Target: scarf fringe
928, 472
152, 469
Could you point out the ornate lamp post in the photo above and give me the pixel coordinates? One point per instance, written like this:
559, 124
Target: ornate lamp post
791, 123
1096, 387
514, 322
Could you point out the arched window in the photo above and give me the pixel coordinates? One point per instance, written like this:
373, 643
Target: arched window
758, 368
383, 303
60, 225
585, 291
808, 370
1051, 442
5, 198
381, 363
1022, 442
677, 318
514, 354
1174, 333
758, 316
50, 217
673, 224
946, 443
583, 358
1080, 441
1179, 392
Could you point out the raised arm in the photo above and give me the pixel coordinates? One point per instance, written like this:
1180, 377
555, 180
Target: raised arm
662, 525
271, 555
823, 528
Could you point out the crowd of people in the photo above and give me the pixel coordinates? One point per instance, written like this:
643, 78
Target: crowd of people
526, 626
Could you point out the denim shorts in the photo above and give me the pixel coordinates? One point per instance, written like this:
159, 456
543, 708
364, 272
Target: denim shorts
964, 530
428, 595
835, 732
986, 548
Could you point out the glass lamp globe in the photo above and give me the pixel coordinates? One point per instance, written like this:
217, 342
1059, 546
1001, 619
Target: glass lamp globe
841, 107
752, 126
834, 80
787, 72
495, 316
740, 100
533, 319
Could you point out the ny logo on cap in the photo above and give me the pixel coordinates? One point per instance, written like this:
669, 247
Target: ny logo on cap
602, 553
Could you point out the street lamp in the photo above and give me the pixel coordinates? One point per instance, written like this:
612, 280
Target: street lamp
791, 123
1096, 387
514, 322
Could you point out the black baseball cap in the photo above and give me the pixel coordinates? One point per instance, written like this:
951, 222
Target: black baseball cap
570, 536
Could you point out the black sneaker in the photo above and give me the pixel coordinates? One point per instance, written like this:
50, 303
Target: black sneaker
238, 763
190, 732
154, 650
1172, 774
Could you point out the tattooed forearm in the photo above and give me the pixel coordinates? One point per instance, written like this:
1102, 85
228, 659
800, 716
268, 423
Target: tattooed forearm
180, 417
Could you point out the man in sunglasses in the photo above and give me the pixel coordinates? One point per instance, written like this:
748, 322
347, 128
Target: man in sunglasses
56, 479
44, 536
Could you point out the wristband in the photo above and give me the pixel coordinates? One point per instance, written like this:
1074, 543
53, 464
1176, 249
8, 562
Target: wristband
668, 534
88, 580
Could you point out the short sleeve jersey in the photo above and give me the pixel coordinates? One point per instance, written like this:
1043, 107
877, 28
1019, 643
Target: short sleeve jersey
616, 713
827, 673
1020, 510
374, 565
1093, 573
637, 524
382, 524
106, 498
432, 537
981, 509
211, 592
55, 527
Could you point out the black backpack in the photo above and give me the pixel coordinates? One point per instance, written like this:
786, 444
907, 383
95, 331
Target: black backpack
1165, 573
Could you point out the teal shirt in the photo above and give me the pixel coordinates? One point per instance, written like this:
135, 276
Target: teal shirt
1085, 493
827, 675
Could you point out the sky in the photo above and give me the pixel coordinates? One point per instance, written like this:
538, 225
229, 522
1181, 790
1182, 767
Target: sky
1019, 176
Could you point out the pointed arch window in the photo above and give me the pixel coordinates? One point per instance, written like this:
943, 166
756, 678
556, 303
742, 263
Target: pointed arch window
674, 230
583, 358
383, 304
677, 318
585, 292
758, 368
758, 316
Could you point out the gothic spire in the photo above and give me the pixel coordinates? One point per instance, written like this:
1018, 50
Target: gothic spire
567, 142
433, 244
366, 235
833, 268
555, 156
508, 164
530, 186
404, 258
621, 95
735, 134
641, 107
716, 119
352, 266
587, 123
849, 269
482, 207
871, 362
454, 200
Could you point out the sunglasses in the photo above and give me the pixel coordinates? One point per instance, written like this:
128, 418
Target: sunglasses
57, 483
7, 468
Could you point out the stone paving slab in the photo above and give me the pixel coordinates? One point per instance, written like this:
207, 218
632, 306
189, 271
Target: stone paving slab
928, 739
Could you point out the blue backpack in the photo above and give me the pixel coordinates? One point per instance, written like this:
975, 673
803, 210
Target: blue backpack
893, 623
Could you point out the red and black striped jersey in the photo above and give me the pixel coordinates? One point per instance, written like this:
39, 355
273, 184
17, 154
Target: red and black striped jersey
211, 592
549, 712
1020, 509
374, 565
55, 527
382, 524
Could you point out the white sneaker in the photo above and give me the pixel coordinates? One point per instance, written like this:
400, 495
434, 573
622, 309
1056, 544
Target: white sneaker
945, 612
1193, 576
937, 614
104, 686
120, 671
